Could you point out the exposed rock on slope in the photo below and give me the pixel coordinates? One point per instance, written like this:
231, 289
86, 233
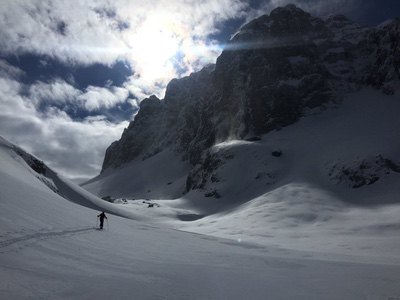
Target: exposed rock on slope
384, 46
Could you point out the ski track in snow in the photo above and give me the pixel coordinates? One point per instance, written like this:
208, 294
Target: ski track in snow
42, 236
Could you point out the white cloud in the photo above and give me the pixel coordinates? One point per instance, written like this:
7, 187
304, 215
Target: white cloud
7, 70
75, 149
96, 97
31, 26
57, 91
60, 92
87, 32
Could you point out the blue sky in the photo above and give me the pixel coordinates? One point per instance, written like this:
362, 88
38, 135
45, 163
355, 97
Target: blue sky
73, 73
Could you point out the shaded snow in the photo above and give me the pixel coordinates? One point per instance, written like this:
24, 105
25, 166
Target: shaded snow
52, 251
167, 172
292, 234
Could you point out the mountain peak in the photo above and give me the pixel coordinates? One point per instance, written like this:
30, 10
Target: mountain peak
282, 22
288, 10
150, 101
390, 23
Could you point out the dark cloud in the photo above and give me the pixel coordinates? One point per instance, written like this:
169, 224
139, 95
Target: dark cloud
110, 14
62, 28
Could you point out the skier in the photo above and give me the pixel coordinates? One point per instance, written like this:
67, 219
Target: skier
102, 216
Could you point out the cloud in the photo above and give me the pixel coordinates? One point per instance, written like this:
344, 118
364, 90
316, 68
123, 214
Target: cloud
93, 98
145, 34
73, 148
55, 92
96, 97
34, 27
7, 70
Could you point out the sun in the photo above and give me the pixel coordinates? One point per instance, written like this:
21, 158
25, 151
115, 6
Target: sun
154, 45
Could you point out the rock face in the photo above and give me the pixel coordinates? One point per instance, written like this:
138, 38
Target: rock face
384, 46
275, 69
365, 172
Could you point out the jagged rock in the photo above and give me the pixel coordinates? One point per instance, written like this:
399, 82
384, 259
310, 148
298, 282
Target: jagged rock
213, 193
201, 173
139, 136
36, 165
384, 42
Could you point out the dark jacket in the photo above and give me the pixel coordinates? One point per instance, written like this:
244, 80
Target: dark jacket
102, 216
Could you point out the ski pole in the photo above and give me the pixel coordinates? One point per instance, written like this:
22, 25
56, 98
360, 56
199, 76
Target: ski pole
107, 225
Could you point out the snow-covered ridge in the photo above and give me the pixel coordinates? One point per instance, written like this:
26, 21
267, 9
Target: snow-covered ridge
50, 181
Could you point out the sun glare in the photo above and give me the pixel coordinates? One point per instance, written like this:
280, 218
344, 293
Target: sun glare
156, 42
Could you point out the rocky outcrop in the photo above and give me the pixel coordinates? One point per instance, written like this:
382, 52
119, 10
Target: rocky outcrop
384, 45
273, 70
365, 172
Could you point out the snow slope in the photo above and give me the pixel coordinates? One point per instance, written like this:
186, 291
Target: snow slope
298, 202
49, 249
167, 172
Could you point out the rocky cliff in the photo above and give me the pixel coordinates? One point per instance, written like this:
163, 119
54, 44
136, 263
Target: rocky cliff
272, 72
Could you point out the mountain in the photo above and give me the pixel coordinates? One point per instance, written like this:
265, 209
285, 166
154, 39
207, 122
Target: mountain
281, 73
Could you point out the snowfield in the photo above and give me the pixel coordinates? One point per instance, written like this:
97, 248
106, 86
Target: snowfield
283, 228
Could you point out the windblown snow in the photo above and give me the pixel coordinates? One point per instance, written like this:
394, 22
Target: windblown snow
292, 216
